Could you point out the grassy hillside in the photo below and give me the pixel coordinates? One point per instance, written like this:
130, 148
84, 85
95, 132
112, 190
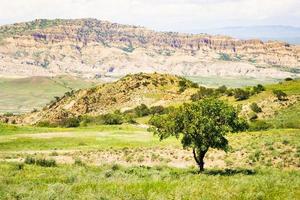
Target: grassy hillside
127, 162
25, 94
114, 182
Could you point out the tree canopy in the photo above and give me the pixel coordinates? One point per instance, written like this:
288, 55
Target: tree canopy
200, 125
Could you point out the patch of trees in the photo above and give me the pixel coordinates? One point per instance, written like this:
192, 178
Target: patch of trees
238, 93
184, 84
243, 94
200, 125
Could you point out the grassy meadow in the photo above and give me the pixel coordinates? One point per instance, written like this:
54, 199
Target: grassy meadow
25, 94
129, 162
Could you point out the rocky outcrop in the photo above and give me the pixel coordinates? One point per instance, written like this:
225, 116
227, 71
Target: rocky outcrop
92, 48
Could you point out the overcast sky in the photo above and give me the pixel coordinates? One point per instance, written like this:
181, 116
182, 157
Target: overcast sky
170, 15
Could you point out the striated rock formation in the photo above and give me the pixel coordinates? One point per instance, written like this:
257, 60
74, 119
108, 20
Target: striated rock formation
95, 49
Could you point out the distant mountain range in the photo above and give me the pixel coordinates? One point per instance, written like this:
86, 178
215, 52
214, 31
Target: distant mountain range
288, 34
92, 48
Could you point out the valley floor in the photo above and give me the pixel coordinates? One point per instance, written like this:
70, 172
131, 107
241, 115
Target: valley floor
127, 162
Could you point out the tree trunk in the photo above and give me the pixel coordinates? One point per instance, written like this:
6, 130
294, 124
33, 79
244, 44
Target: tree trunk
199, 158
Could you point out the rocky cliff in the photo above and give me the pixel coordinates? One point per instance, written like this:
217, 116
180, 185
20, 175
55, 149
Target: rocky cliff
95, 49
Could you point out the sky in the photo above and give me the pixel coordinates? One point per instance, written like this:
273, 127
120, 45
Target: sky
162, 15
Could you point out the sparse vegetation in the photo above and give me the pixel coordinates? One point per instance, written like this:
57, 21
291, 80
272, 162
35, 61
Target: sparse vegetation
255, 108
264, 160
281, 96
240, 94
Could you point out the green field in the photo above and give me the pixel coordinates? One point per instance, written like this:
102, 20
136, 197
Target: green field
25, 94
128, 162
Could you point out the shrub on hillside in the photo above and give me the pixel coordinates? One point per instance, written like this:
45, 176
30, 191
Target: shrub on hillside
229, 92
288, 79
8, 114
258, 89
203, 92
240, 94
142, 110
222, 89
185, 83
157, 110
112, 119
255, 108
281, 96
69, 122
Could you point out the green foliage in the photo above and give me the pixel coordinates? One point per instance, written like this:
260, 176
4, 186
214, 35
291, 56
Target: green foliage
222, 89
8, 114
255, 108
240, 94
141, 110
40, 162
112, 118
259, 125
202, 124
184, 83
258, 89
69, 122
203, 92
281, 96
157, 110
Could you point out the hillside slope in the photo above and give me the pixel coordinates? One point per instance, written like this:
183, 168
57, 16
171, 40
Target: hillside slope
91, 48
126, 93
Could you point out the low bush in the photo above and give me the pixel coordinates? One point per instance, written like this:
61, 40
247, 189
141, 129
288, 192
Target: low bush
258, 89
40, 161
69, 122
281, 96
222, 89
112, 119
203, 92
142, 110
157, 110
8, 114
288, 79
255, 108
240, 94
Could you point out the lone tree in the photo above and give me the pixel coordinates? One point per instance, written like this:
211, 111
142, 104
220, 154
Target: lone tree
200, 125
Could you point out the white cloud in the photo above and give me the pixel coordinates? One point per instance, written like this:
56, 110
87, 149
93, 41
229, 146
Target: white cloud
158, 14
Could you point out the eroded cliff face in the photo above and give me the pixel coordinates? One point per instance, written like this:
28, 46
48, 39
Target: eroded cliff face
92, 48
